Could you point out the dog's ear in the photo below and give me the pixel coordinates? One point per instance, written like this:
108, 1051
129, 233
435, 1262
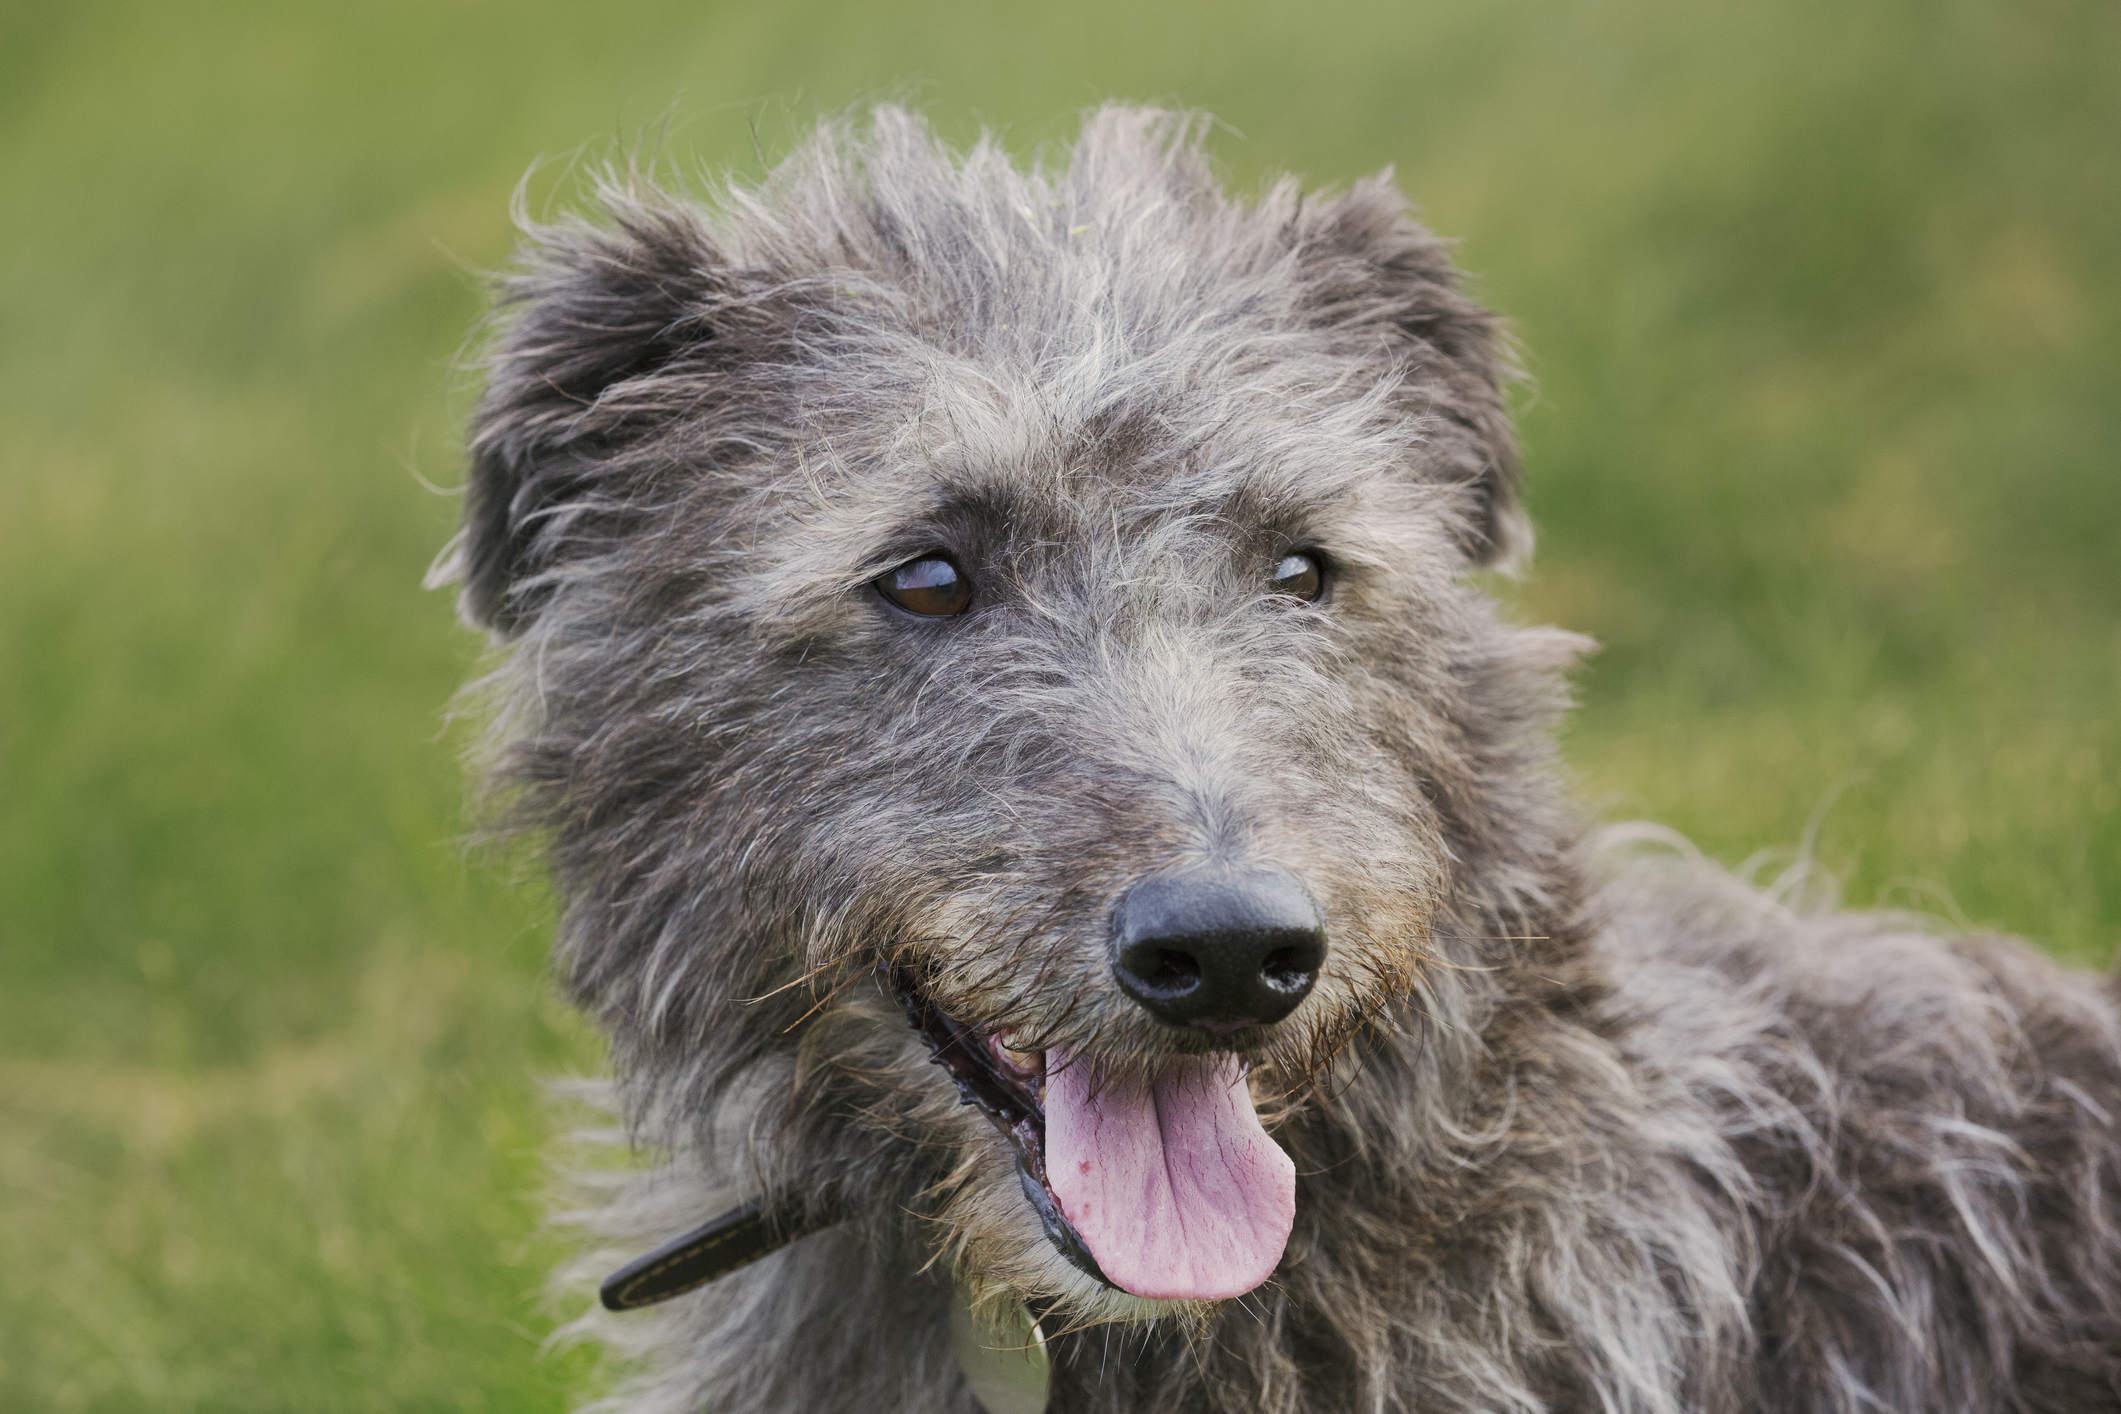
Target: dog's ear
606, 329
1373, 271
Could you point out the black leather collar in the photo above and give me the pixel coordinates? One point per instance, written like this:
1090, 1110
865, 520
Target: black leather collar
736, 1239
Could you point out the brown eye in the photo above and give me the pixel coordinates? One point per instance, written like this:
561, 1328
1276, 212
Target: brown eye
1300, 577
931, 587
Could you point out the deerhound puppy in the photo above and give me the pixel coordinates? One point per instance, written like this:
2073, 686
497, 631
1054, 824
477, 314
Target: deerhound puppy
1051, 823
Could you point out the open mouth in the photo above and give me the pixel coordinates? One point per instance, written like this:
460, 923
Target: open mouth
1009, 1094
1165, 1187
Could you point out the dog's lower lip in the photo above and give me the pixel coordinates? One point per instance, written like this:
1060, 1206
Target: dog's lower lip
1008, 1095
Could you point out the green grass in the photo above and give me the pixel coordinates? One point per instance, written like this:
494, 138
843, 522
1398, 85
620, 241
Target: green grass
1824, 309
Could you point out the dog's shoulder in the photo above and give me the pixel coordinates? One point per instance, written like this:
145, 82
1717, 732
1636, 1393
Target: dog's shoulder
1926, 1128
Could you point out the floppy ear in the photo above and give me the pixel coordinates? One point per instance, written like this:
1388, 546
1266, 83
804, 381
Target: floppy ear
607, 330
1373, 270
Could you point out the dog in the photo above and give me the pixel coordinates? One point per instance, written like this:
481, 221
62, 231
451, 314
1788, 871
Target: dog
1052, 823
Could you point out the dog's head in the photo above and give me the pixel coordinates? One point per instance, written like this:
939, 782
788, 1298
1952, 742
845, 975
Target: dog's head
1032, 606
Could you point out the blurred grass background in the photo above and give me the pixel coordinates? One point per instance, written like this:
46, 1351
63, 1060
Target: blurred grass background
1821, 301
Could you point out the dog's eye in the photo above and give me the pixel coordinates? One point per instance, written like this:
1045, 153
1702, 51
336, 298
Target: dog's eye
931, 587
1299, 576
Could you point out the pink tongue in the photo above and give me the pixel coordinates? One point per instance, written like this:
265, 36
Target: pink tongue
1174, 1187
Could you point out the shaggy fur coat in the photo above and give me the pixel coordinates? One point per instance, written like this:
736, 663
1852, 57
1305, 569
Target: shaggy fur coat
1576, 1128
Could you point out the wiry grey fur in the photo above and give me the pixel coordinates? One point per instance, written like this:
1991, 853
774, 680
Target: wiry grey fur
1574, 1130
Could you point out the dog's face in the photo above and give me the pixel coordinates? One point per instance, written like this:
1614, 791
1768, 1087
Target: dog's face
1015, 621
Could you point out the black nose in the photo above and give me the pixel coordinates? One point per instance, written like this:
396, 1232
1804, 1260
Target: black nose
1219, 951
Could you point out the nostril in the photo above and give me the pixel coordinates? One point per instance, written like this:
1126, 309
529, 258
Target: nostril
1287, 969
1166, 973
1175, 969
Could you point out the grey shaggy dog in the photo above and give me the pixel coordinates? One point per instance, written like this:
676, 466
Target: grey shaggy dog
912, 563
